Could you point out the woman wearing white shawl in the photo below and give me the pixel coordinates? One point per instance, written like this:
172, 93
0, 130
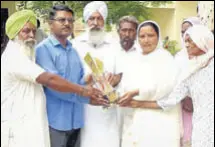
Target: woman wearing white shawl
199, 84
153, 73
182, 62
181, 57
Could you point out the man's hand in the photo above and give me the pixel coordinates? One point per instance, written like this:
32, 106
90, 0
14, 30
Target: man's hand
95, 95
99, 102
89, 91
114, 79
126, 98
89, 79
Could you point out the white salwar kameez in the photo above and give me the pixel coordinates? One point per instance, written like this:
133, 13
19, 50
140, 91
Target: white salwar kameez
201, 88
199, 85
123, 60
154, 75
101, 127
23, 104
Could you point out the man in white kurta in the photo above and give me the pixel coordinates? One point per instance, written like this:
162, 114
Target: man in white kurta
23, 107
126, 49
127, 30
100, 125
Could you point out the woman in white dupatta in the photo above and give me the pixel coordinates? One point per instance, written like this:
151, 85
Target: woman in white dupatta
153, 73
182, 61
199, 84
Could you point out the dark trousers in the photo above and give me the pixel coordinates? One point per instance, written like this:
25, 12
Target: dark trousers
63, 138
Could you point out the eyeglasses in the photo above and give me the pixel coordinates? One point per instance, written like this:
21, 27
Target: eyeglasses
63, 20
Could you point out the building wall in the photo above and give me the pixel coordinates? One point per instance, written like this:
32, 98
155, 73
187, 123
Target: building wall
165, 19
183, 9
170, 19
10, 5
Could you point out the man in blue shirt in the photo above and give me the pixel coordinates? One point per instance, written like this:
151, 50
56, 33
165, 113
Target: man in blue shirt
56, 55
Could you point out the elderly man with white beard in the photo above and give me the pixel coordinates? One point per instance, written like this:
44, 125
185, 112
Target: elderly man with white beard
101, 128
23, 105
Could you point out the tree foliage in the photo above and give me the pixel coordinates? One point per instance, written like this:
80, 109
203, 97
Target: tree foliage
116, 9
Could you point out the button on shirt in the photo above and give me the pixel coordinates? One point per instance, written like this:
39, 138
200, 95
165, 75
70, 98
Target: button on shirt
65, 110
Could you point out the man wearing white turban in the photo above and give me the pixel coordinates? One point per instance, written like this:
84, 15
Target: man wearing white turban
99, 6
101, 127
23, 105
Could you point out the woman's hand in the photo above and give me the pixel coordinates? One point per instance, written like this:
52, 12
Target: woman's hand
126, 98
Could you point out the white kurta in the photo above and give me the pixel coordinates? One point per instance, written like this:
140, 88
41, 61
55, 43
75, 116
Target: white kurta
200, 86
123, 60
123, 57
23, 104
101, 127
154, 75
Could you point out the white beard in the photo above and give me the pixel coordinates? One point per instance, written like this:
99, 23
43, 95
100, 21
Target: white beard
27, 48
96, 37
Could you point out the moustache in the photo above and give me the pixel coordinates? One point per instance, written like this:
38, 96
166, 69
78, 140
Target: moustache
127, 40
69, 28
95, 28
30, 42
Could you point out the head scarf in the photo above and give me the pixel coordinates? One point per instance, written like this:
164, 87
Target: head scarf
181, 57
17, 21
95, 6
182, 61
193, 21
160, 44
204, 39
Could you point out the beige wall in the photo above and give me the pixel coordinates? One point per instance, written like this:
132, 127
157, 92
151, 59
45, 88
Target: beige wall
165, 19
10, 5
170, 19
183, 10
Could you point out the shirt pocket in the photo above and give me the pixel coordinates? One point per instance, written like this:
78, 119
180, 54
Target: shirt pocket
61, 63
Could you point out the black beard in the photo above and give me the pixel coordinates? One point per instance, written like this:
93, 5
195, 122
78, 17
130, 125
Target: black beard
127, 43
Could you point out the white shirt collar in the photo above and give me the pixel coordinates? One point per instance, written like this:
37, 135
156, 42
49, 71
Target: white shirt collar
132, 49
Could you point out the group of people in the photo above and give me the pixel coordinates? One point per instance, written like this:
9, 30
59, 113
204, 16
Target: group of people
47, 90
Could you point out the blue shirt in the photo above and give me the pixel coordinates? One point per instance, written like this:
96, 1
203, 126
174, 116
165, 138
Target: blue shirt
65, 110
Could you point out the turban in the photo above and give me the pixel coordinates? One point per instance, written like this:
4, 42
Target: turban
17, 21
94, 6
